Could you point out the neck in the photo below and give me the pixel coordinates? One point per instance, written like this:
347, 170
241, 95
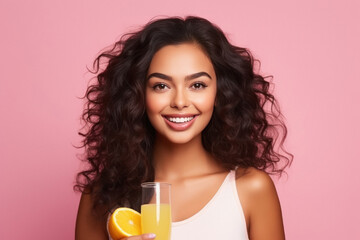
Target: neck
179, 161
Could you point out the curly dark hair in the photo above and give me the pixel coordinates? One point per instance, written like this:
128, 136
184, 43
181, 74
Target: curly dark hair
246, 129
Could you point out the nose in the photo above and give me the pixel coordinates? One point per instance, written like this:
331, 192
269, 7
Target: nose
179, 99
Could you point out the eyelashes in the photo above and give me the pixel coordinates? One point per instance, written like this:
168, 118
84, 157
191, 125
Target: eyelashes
163, 86
160, 87
198, 85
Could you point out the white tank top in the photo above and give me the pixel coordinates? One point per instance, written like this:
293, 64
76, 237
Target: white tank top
221, 218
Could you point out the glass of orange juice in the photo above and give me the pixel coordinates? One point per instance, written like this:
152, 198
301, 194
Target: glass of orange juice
156, 210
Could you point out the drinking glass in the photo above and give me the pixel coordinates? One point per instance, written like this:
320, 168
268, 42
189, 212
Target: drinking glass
156, 210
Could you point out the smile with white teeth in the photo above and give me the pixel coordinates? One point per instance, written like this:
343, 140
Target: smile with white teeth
180, 119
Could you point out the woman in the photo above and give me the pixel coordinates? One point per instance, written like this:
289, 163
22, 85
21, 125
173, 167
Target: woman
178, 103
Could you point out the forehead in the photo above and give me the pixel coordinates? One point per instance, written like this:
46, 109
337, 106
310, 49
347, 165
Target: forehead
182, 58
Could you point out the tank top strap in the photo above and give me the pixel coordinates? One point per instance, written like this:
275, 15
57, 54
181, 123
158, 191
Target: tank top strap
221, 218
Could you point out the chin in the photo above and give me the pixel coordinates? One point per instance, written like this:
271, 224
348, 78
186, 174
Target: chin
180, 141
181, 138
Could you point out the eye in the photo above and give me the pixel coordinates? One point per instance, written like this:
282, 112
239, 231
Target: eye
198, 85
160, 87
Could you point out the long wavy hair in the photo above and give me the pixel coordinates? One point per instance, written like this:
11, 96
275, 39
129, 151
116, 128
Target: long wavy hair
246, 129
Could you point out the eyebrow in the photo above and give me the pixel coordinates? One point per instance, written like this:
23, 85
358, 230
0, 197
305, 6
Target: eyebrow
187, 78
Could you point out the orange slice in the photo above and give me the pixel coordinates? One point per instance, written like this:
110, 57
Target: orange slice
124, 222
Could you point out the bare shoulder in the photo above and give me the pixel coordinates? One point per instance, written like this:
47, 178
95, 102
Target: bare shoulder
260, 203
254, 182
89, 225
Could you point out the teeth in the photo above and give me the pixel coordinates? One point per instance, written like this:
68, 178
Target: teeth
180, 120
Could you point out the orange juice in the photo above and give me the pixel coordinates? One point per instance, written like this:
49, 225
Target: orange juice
156, 219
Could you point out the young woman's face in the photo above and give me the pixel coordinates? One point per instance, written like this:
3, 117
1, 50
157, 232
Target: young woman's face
180, 92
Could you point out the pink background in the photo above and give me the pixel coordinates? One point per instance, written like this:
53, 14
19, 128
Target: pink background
311, 47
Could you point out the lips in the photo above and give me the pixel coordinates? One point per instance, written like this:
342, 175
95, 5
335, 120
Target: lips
179, 122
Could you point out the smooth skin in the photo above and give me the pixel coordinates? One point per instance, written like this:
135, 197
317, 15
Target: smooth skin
176, 87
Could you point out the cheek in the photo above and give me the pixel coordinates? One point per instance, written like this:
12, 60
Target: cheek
205, 106
150, 105
206, 102
155, 103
